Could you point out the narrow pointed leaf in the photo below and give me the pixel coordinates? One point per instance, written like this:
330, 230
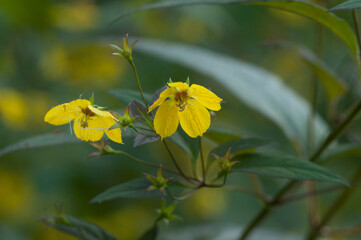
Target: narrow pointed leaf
332, 83
256, 87
133, 189
78, 228
284, 167
57, 137
347, 5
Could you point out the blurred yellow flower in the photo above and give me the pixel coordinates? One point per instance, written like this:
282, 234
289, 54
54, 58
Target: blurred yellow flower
90, 123
90, 65
12, 108
79, 15
206, 204
185, 105
17, 195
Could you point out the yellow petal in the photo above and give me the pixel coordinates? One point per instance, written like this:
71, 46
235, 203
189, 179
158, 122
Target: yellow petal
181, 86
114, 134
166, 119
79, 103
88, 129
205, 97
64, 113
162, 97
100, 112
61, 114
194, 119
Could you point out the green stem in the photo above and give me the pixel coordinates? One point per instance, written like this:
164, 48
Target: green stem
138, 82
144, 162
266, 210
202, 160
189, 179
335, 207
184, 196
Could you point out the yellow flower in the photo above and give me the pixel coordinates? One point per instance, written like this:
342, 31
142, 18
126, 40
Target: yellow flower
89, 123
185, 105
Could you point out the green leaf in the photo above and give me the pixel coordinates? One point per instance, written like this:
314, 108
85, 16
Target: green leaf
133, 189
221, 135
79, 228
128, 95
57, 137
331, 82
305, 8
237, 145
284, 167
348, 5
256, 87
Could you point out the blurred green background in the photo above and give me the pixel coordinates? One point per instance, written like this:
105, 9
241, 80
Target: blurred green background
52, 52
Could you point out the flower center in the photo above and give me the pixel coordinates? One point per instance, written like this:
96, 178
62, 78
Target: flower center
181, 100
88, 112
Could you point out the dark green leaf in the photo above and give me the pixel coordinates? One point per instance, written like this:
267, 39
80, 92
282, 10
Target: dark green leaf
57, 137
348, 5
156, 95
308, 9
256, 87
127, 95
79, 228
284, 167
133, 189
139, 111
237, 145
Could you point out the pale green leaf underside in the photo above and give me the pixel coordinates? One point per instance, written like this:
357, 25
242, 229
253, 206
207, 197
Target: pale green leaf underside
57, 137
284, 167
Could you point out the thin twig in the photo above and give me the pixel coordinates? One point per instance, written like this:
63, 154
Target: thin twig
189, 179
144, 162
335, 207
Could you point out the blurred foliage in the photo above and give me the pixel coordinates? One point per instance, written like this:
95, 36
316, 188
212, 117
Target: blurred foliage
53, 51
